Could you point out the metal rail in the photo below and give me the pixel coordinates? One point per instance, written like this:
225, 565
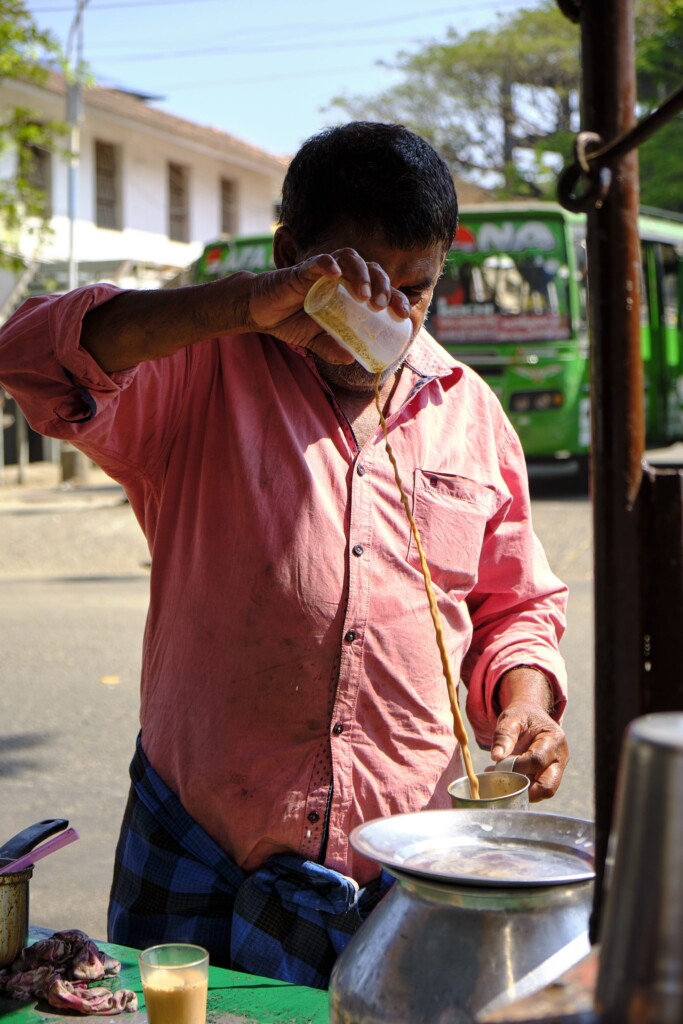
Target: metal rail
594, 160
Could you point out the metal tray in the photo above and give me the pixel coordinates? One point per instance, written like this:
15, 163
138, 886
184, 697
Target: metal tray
487, 847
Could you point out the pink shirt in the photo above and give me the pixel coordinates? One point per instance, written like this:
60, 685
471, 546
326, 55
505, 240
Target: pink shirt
291, 682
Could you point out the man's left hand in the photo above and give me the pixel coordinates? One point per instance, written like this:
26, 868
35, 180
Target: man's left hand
525, 728
540, 745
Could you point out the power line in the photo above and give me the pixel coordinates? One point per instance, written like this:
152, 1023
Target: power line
241, 36
284, 76
119, 6
214, 51
451, 9
262, 32
242, 47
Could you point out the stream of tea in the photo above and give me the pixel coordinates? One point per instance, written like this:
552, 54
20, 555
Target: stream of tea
458, 724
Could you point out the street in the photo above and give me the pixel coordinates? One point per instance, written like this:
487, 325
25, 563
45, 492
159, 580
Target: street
73, 596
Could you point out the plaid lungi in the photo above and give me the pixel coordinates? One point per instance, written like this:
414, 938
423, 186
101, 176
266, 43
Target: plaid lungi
173, 883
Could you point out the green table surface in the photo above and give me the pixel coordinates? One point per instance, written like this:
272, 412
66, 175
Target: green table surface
234, 998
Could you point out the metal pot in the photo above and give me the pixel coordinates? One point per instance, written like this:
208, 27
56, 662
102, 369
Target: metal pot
508, 917
14, 897
13, 915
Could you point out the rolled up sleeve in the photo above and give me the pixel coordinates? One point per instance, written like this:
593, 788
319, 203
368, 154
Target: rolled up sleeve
57, 384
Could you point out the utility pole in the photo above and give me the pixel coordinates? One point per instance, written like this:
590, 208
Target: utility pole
74, 464
74, 116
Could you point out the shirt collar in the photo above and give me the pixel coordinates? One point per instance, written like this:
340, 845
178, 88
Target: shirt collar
428, 359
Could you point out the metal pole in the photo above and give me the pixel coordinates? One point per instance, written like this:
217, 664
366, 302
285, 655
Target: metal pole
618, 433
74, 144
74, 115
74, 464
22, 446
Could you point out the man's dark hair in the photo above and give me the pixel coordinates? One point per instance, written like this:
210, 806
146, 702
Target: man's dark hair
378, 179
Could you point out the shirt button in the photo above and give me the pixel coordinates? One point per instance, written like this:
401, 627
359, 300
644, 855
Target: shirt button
361, 471
357, 550
338, 729
313, 817
350, 635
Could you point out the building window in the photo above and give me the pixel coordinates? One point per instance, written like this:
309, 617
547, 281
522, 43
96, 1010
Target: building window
228, 207
178, 203
107, 189
39, 174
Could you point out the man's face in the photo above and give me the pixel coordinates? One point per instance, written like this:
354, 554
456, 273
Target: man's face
411, 271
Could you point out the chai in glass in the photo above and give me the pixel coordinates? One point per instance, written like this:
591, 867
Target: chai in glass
175, 982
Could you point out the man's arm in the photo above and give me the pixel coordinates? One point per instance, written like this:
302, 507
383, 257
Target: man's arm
137, 326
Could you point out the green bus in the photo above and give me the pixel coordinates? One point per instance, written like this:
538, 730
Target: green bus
512, 305
227, 256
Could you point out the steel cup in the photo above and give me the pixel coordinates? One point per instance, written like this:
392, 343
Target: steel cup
641, 933
504, 790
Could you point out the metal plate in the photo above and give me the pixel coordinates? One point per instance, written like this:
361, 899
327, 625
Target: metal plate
487, 847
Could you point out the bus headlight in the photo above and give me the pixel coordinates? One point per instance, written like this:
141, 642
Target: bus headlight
536, 401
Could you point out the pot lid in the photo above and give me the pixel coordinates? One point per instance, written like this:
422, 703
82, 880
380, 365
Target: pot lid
482, 847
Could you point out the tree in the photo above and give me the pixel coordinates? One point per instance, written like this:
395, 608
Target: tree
501, 103
495, 102
25, 51
659, 62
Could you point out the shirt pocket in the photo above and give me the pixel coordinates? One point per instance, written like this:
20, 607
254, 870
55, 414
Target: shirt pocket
451, 513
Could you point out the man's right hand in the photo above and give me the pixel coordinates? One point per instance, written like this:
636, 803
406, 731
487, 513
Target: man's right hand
275, 300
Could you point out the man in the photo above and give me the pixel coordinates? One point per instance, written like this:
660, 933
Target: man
291, 682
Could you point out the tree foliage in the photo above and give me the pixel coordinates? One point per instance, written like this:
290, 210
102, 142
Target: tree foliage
501, 104
490, 98
659, 64
25, 51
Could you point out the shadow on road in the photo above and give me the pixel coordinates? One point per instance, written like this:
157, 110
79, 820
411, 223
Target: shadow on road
12, 751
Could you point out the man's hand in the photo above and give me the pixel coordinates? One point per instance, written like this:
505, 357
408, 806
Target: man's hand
275, 300
525, 728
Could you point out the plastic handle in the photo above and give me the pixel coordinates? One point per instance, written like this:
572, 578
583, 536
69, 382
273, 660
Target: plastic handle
51, 846
29, 837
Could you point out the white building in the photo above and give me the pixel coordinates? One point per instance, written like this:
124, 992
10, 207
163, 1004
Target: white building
148, 191
152, 189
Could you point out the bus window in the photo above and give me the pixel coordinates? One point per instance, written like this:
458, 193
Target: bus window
671, 269
503, 297
581, 277
671, 266
645, 330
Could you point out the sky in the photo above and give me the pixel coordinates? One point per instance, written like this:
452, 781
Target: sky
264, 72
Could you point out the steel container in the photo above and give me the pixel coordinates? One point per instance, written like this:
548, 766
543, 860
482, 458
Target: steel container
13, 915
443, 949
641, 934
14, 886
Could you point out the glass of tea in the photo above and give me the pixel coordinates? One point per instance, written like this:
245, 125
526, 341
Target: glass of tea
175, 983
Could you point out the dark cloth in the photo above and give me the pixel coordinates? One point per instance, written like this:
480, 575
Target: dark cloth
172, 882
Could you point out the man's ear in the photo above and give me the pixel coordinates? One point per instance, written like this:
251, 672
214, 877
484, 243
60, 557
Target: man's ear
285, 253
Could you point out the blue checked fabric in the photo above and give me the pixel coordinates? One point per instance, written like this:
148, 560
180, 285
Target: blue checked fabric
288, 920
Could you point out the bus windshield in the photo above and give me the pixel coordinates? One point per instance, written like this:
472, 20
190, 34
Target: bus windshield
503, 282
